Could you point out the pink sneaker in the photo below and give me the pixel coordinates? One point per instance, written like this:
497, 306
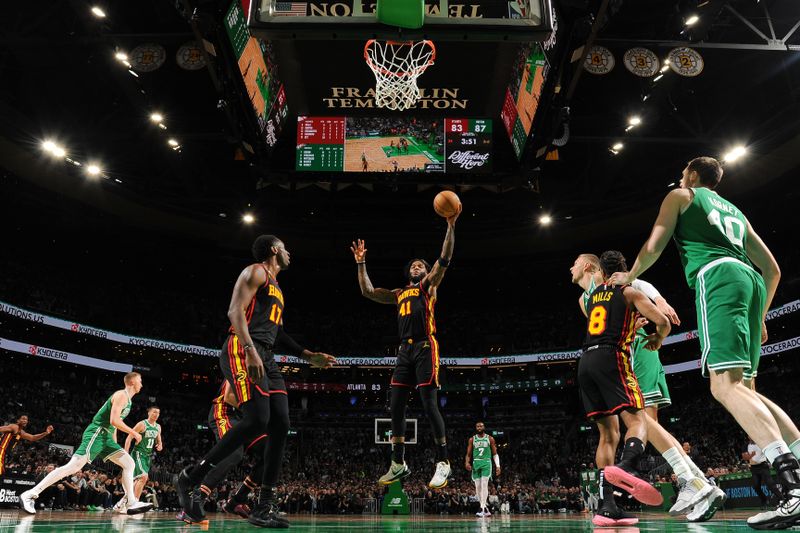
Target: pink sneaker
637, 487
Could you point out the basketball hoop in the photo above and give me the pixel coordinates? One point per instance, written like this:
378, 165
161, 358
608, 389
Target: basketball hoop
397, 65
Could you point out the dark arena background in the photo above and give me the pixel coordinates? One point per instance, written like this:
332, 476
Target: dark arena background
144, 146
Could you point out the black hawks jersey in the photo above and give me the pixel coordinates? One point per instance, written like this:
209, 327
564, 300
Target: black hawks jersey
611, 322
265, 313
415, 313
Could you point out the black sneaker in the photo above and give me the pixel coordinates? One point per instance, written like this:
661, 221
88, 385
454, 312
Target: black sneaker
266, 515
238, 508
197, 504
183, 488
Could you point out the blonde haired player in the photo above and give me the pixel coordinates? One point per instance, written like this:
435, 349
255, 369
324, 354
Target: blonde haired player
482, 450
99, 440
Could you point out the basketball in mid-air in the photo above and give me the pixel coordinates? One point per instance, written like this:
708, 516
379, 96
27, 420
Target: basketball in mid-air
446, 204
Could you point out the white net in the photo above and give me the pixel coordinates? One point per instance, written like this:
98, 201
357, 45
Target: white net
397, 65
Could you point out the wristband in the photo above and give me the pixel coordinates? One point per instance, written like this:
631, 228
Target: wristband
443, 262
496, 460
246, 346
361, 262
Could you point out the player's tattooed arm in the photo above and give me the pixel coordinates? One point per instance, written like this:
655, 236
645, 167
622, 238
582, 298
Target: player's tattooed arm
382, 296
435, 276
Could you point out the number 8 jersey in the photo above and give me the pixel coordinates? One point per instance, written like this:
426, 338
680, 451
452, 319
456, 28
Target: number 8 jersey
611, 322
710, 228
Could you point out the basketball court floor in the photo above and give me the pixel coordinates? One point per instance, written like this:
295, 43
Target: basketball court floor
73, 522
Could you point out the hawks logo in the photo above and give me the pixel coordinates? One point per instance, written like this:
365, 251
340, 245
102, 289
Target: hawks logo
223, 424
241, 375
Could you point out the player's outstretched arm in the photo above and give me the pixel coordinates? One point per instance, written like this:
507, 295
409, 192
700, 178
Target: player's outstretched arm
435, 276
468, 457
317, 359
648, 309
662, 231
760, 255
382, 296
37, 437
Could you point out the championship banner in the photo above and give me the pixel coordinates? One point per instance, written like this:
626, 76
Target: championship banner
64, 357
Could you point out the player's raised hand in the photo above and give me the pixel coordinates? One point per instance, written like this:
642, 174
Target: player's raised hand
620, 278
667, 309
451, 221
49, 429
359, 250
321, 360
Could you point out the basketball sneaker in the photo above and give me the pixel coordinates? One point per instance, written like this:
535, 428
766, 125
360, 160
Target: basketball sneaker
480, 514
396, 472
233, 507
640, 489
706, 509
785, 515
692, 491
138, 507
266, 515
487, 512
613, 517
28, 502
121, 506
439, 479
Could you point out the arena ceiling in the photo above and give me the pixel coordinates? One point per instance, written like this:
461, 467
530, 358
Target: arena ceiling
61, 80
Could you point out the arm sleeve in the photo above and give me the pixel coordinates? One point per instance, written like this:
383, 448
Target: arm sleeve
647, 288
289, 343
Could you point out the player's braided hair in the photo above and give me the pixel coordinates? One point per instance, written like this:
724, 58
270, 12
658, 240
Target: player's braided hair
262, 247
612, 261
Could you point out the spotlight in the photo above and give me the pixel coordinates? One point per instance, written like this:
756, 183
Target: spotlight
692, 20
617, 147
664, 68
121, 56
99, 13
132, 73
162, 126
545, 220
247, 218
734, 154
93, 170
49, 146
658, 78
156, 117
634, 120
172, 142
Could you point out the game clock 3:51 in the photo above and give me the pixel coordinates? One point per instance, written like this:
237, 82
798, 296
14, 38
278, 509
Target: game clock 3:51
468, 145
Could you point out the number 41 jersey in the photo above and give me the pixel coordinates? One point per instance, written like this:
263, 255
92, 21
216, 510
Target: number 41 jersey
711, 228
611, 322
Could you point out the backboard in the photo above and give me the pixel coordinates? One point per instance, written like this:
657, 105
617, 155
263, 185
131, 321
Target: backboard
462, 20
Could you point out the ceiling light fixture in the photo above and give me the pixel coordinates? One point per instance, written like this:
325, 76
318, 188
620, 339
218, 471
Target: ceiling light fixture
99, 13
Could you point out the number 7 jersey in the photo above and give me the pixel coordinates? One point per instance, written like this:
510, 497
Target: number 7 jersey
711, 228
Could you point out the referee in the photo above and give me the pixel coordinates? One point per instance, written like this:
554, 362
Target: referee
759, 468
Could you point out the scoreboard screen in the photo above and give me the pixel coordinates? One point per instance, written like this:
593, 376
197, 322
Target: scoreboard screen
393, 144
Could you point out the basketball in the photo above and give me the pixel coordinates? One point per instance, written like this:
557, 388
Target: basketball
446, 204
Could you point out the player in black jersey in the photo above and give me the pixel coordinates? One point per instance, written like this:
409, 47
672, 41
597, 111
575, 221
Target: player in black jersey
418, 355
247, 362
609, 386
11, 434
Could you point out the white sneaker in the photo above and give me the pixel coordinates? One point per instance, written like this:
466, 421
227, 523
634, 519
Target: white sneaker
396, 472
784, 516
706, 509
480, 514
138, 507
28, 502
439, 479
694, 490
487, 512
121, 506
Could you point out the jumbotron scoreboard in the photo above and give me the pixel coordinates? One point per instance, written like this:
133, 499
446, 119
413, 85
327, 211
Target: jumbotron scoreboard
393, 144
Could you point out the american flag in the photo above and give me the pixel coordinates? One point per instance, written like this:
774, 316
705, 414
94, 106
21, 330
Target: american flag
289, 9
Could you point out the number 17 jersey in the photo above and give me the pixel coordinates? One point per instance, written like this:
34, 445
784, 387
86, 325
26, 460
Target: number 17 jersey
711, 228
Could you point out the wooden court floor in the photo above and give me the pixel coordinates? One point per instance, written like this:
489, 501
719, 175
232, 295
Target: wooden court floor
162, 522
